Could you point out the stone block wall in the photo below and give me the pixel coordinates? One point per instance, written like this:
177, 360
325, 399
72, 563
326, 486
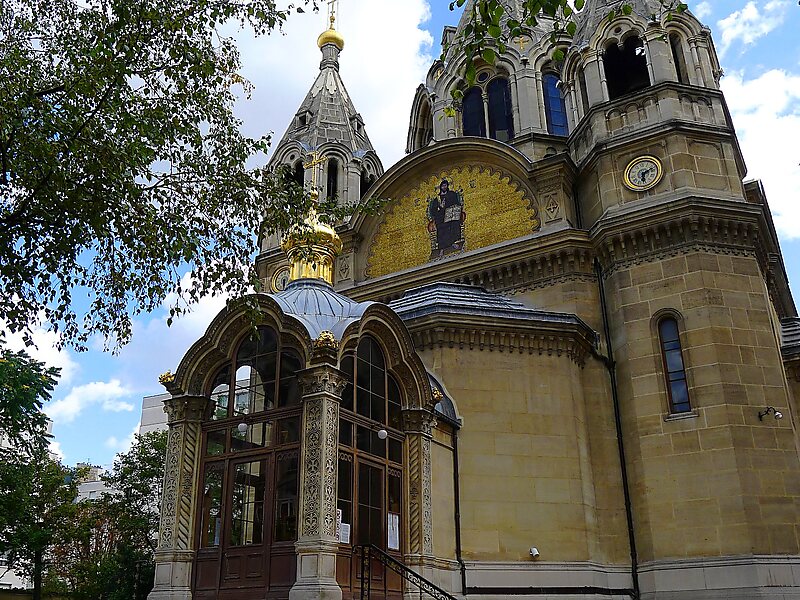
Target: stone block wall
716, 481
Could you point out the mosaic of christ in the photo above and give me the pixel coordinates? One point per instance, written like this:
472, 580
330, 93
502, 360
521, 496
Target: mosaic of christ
446, 218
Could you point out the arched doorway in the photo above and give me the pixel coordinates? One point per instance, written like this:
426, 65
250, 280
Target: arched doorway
370, 496
246, 519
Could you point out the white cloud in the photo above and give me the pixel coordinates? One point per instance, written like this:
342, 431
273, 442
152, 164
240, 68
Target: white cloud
124, 444
107, 394
55, 449
751, 23
381, 68
702, 10
766, 112
44, 349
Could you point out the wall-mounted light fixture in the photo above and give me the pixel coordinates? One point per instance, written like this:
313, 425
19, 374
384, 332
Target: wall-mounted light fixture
242, 428
770, 409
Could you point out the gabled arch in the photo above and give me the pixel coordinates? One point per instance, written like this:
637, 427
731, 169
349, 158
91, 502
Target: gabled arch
217, 344
420, 129
383, 324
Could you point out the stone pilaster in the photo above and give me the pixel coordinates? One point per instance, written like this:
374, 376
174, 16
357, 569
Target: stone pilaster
175, 551
418, 425
659, 56
316, 546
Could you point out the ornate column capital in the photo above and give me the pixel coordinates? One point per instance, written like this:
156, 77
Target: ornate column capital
417, 420
185, 408
322, 379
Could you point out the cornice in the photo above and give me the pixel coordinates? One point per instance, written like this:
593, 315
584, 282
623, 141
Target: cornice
673, 227
572, 338
530, 262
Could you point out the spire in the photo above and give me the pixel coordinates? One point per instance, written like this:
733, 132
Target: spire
327, 113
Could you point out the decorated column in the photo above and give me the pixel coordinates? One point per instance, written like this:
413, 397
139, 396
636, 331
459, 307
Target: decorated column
418, 424
316, 546
175, 551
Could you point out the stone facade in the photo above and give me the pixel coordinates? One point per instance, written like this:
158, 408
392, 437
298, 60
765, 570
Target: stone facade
554, 441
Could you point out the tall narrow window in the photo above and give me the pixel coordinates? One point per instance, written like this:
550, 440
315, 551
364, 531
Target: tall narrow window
678, 58
299, 173
501, 118
365, 183
554, 105
626, 68
674, 370
472, 113
333, 178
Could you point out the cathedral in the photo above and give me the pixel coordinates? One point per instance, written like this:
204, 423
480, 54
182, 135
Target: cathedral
562, 361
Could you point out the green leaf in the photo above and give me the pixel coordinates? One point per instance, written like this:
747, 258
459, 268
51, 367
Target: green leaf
489, 55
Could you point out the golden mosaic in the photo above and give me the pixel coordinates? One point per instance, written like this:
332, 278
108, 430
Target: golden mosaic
448, 213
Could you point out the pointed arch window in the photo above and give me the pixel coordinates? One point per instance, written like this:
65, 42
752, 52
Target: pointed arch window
474, 120
554, 107
674, 368
333, 179
501, 118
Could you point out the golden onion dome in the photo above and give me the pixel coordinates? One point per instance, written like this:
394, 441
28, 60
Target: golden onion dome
331, 36
312, 250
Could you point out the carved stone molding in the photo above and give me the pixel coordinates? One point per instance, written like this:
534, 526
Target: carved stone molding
574, 342
322, 379
420, 491
419, 421
689, 233
185, 408
322, 388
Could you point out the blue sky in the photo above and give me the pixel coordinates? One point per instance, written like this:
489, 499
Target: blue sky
389, 46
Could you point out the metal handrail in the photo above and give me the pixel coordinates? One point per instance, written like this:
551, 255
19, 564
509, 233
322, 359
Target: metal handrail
368, 551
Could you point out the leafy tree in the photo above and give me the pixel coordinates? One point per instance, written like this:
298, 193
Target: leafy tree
36, 506
491, 29
122, 165
107, 554
24, 385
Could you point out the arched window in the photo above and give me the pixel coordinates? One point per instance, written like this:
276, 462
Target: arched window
674, 370
299, 173
473, 117
249, 472
333, 179
554, 105
501, 118
263, 378
584, 90
626, 68
365, 183
678, 58
370, 468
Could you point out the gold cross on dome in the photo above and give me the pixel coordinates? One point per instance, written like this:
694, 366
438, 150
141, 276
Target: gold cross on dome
332, 6
316, 160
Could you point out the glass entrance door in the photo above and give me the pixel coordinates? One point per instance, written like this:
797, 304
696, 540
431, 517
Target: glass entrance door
233, 558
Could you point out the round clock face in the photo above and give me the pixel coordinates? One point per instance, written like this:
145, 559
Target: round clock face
280, 279
643, 173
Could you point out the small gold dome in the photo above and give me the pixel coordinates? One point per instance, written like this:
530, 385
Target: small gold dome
331, 36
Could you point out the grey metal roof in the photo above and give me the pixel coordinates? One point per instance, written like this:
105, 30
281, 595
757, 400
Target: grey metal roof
454, 298
513, 8
790, 335
329, 113
314, 303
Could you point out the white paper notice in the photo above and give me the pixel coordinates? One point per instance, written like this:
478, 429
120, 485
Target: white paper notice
344, 533
393, 527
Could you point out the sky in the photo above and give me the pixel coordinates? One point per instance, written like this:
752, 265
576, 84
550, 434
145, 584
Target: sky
389, 45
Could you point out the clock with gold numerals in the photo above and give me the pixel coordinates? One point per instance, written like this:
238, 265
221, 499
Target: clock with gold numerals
280, 280
643, 173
